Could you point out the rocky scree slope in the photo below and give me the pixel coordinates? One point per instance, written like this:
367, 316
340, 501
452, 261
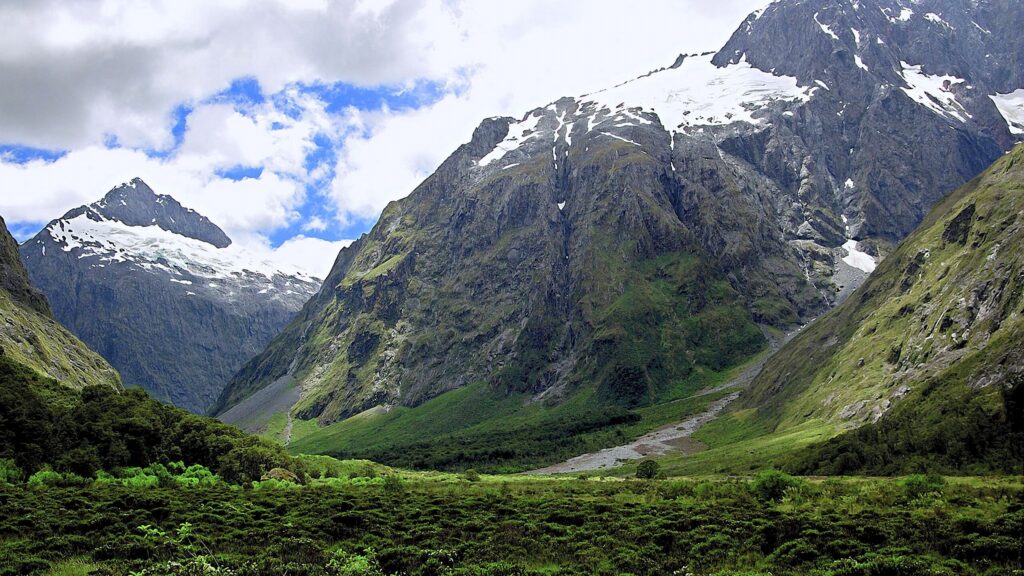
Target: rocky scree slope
935, 336
161, 293
625, 241
30, 337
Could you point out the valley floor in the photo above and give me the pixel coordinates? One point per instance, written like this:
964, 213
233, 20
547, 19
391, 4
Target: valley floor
675, 439
431, 524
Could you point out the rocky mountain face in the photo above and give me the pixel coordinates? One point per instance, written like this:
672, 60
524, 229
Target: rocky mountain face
13, 277
627, 242
933, 340
30, 337
161, 293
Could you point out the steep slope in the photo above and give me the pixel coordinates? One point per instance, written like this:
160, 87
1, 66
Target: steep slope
624, 245
13, 277
931, 348
161, 293
30, 339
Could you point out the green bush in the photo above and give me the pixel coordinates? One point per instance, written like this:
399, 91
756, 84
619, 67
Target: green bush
9, 471
648, 470
47, 477
197, 475
771, 485
393, 484
345, 564
918, 485
272, 484
471, 475
245, 464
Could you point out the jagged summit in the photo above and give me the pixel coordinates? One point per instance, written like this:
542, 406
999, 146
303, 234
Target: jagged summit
161, 292
151, 231
134, 203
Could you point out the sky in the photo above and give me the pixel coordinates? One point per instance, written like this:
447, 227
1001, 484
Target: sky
293, 123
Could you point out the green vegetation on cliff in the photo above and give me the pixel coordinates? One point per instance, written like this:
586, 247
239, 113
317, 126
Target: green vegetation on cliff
920, 369
30, 337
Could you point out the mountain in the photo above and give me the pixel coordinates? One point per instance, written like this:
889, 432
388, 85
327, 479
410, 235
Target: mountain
161, 292
626, 247
928, 355
31, 340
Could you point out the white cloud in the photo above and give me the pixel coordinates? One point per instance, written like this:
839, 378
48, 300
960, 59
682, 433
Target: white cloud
314, 255
76, 73
314, 224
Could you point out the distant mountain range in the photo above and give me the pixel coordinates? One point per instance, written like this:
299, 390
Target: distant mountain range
161, 292
622, 248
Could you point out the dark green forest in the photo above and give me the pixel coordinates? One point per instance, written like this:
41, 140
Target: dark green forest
46, 425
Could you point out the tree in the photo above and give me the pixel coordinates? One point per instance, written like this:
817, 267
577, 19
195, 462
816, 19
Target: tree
648, 470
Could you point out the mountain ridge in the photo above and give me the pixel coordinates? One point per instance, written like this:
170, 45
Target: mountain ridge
622, 243
161, 291
924, 365
31, 338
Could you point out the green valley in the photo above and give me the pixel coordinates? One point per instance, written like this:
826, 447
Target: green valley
756, 311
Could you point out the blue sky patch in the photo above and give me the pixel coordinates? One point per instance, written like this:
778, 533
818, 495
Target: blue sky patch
22, 231
25, 154
237, 173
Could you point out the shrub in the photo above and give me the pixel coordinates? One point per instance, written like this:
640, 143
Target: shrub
141, 481
197, 475
9, 472
247, 463
648, 470
771, 485
105, 478
471, 475
917, 485
393, 484
47, 477
345, 564
272, 484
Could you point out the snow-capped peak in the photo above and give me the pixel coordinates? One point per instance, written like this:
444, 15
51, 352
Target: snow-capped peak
134, 225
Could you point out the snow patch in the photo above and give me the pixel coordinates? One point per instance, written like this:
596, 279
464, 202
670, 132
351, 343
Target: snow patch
860, 62
517, 134
1011, 106
825, 28
936, 19
934, 92
857, 259
620, 138
561, 205
153, 248
698, 93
